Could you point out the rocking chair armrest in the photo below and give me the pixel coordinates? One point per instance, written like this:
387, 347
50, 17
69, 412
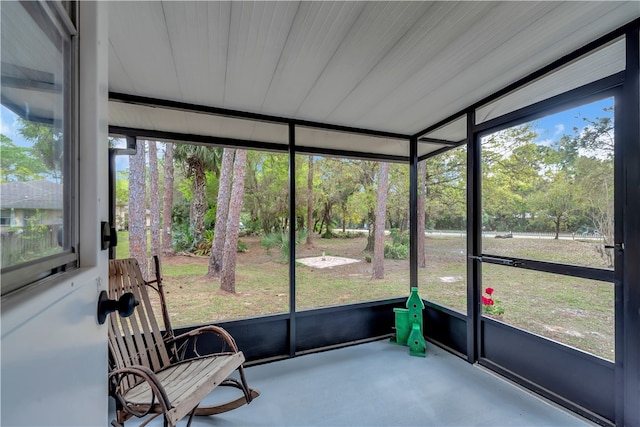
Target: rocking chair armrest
221, 332
148, 376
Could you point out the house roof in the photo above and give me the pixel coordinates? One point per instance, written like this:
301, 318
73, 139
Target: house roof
40, 194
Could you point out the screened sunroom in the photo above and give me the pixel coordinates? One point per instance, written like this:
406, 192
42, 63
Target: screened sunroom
482, 152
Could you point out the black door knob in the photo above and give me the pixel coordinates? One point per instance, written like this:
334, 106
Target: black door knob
124, 305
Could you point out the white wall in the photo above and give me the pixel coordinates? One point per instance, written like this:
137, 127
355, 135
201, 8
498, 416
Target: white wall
53, 352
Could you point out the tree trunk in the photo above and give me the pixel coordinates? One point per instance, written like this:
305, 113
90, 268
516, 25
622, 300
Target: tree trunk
137, 208
310, 201
228, 273
199, 203
326, 219
154, 202
422, 193
371, 216
167, 202
381, 209
222, 213
557, 223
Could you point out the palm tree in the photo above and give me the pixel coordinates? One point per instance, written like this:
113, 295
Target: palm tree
197, 159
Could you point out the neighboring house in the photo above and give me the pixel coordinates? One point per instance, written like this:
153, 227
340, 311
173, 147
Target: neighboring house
37, 201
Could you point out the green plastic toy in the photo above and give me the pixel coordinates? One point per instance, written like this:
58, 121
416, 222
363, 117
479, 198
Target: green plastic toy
409, 325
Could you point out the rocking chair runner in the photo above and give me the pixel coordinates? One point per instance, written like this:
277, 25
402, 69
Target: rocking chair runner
149, 373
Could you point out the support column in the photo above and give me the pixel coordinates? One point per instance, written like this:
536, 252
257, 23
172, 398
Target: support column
474, 240
413, 212
292, 239
630, 138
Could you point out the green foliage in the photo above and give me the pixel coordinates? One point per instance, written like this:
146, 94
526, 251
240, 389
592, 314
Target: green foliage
182, 238
276, 240
47, 145
122, 250
210, 217
251, 226
122, 187
557, 186
399, 238
490, 304
348, 235
395, 251
445, 198
18, 163
398, 196
341, 180
399, 246
328, 234
204, 246
266, 196
280, 241
512, 162
192, 158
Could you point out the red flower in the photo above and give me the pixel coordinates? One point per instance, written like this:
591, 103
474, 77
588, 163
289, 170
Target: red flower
485, 300
490, 301
489, 291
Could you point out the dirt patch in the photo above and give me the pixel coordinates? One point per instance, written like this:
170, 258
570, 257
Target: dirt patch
326, 261
553, 328
451, 279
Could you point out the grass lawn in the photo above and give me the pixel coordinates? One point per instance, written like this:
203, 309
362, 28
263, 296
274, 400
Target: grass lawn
573, 311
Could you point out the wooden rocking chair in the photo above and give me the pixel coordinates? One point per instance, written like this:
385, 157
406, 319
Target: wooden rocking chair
149, 373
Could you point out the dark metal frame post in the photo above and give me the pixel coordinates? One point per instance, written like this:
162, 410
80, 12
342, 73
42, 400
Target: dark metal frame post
474, 239
413, 212
630, 130
618, 271
292, 239
112, 196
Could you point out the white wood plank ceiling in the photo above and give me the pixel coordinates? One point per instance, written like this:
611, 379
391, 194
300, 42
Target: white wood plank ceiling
390, 66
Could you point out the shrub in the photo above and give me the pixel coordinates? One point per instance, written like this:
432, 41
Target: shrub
399, 238
348, 235
396, 251
204, 246
280, 241
182, 238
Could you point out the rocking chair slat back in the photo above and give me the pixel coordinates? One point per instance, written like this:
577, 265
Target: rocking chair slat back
134, 340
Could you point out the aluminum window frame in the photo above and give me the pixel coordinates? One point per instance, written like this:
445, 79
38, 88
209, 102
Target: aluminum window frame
57, 19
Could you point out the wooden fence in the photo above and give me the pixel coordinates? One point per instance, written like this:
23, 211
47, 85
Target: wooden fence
22, 244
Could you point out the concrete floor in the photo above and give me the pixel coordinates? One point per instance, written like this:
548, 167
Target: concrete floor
379, 384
